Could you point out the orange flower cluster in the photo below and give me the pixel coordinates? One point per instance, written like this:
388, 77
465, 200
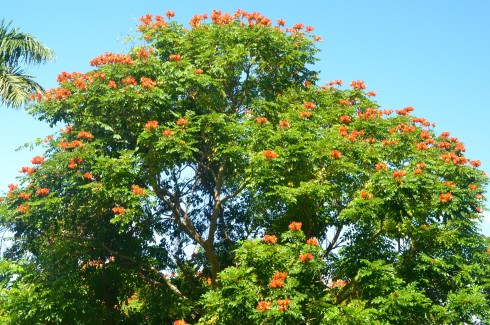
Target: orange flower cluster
118, 210
197, 19
85, 135
270, 239
167, 133
354, 134
72, 164
389, 142
305, 257
366, 194
261, 120
312, 241
358, 84
129, 81
295, 225
278, 280
23, 208
109, 57
317, 38
27, 170
37, 160
404, 111
88, 176
198, 71
369, 113
270, 154
339, 283
334, 82
446, 197
444, 145
112, 84
182, 122
35, 96
284, 124
221, 19
137, 190
453, 157
335, 154
371, 93
57, 93
472, 187
283, 304
419, 168
345, 102
263, 305
345, 119
148, 83
12, 187
475, 163
460, 147
405, 128
399, 174
445, 134
253, 18
180, 322
151, 125
170, 14
420, 120
309, 105
381, 165
70, 145
305, 114
24, 195
144, 53
42, 191
174, 57
449, 184
80, 84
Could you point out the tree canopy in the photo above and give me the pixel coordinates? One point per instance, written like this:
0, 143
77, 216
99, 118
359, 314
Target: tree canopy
205, 177
18, 49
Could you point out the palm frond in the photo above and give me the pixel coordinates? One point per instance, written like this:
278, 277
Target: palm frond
16, 46
16, 86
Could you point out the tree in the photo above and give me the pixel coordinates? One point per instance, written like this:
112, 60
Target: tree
17, 49
178, 153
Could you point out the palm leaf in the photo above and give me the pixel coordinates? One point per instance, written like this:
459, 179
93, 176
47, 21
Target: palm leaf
16, 86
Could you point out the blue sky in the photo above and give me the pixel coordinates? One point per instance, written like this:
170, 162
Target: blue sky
432, 55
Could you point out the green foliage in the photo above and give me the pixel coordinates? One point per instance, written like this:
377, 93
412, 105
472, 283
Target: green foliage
178, 153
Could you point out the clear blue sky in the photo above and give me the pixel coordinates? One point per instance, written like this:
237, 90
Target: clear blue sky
432, 55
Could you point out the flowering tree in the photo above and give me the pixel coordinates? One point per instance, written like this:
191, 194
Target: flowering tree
201, 138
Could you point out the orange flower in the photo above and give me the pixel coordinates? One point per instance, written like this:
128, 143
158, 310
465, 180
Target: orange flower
312, 241
72, 164
305, 114
371, 93
269, 154
84, 135
449, 184
170, 14
381, 165
475, 163
180, 322
263, 305
399, 174
167, 133
422, 146
174, 57
335, 154
417, 171
295, 225
284, 124
182, 121
198, 71
151, 125
281, 22
317, 38
112, 84
338, 283
12, 187
118, 210
305, 257
270, 239
473, 187
309, 105
366, 195
23, 208
446, 197
88, 176
147, 83
283, 304
37, 160
27, 170
129, 81
359, 84
24, 195
261, 120
137, 190
345, 119
42, 191
404, 111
